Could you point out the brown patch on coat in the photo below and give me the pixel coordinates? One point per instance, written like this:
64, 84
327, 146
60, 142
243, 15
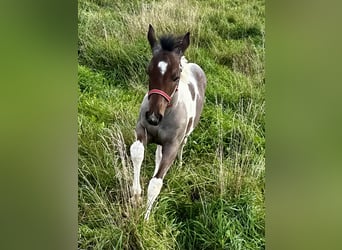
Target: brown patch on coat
189, 126
192, 91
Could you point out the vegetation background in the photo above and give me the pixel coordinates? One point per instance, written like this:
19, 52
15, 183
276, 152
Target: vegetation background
215, 200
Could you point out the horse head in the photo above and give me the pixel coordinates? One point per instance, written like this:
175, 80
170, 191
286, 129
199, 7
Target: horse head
164, 72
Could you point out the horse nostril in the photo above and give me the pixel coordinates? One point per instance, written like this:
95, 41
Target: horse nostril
153, 119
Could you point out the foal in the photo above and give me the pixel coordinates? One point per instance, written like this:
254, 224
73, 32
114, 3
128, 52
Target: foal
169, 111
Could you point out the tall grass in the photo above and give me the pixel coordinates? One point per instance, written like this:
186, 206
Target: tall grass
215, 199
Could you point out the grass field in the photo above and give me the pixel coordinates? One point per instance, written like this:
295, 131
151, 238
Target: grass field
215, 200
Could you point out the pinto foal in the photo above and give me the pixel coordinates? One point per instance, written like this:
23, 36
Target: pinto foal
169, 111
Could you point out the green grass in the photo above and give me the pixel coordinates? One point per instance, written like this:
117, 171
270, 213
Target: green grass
215, 200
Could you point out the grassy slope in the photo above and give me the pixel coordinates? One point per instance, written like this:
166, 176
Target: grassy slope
215, 200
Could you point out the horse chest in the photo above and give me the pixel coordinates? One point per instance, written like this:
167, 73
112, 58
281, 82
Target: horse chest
172, 127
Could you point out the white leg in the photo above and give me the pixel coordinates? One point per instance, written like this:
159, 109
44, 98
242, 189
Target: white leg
153, 191
158, 159
137, 156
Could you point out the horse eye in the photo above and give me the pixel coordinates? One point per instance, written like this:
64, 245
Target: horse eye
176, 78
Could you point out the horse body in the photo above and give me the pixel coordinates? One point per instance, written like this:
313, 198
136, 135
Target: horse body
168, 113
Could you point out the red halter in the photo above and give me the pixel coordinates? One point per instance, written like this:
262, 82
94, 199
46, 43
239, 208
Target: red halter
160, 92
163, 94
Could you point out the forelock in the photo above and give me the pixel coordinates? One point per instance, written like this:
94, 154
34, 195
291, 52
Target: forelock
168, 43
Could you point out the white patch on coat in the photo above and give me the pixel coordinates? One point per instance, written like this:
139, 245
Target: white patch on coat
183, 61
162, 67
153, 191
188, 78
137, 156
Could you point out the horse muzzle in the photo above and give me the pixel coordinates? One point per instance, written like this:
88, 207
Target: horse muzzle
153, 119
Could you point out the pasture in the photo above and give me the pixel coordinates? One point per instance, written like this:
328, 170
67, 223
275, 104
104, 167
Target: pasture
215, 199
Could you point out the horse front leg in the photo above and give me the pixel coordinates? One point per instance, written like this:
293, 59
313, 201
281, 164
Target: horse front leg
168, 155
158, 159
137, 156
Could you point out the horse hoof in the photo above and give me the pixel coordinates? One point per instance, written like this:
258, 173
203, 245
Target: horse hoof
136, 200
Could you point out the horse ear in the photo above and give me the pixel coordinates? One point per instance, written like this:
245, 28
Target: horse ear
186, 41
183, 44
151, 36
